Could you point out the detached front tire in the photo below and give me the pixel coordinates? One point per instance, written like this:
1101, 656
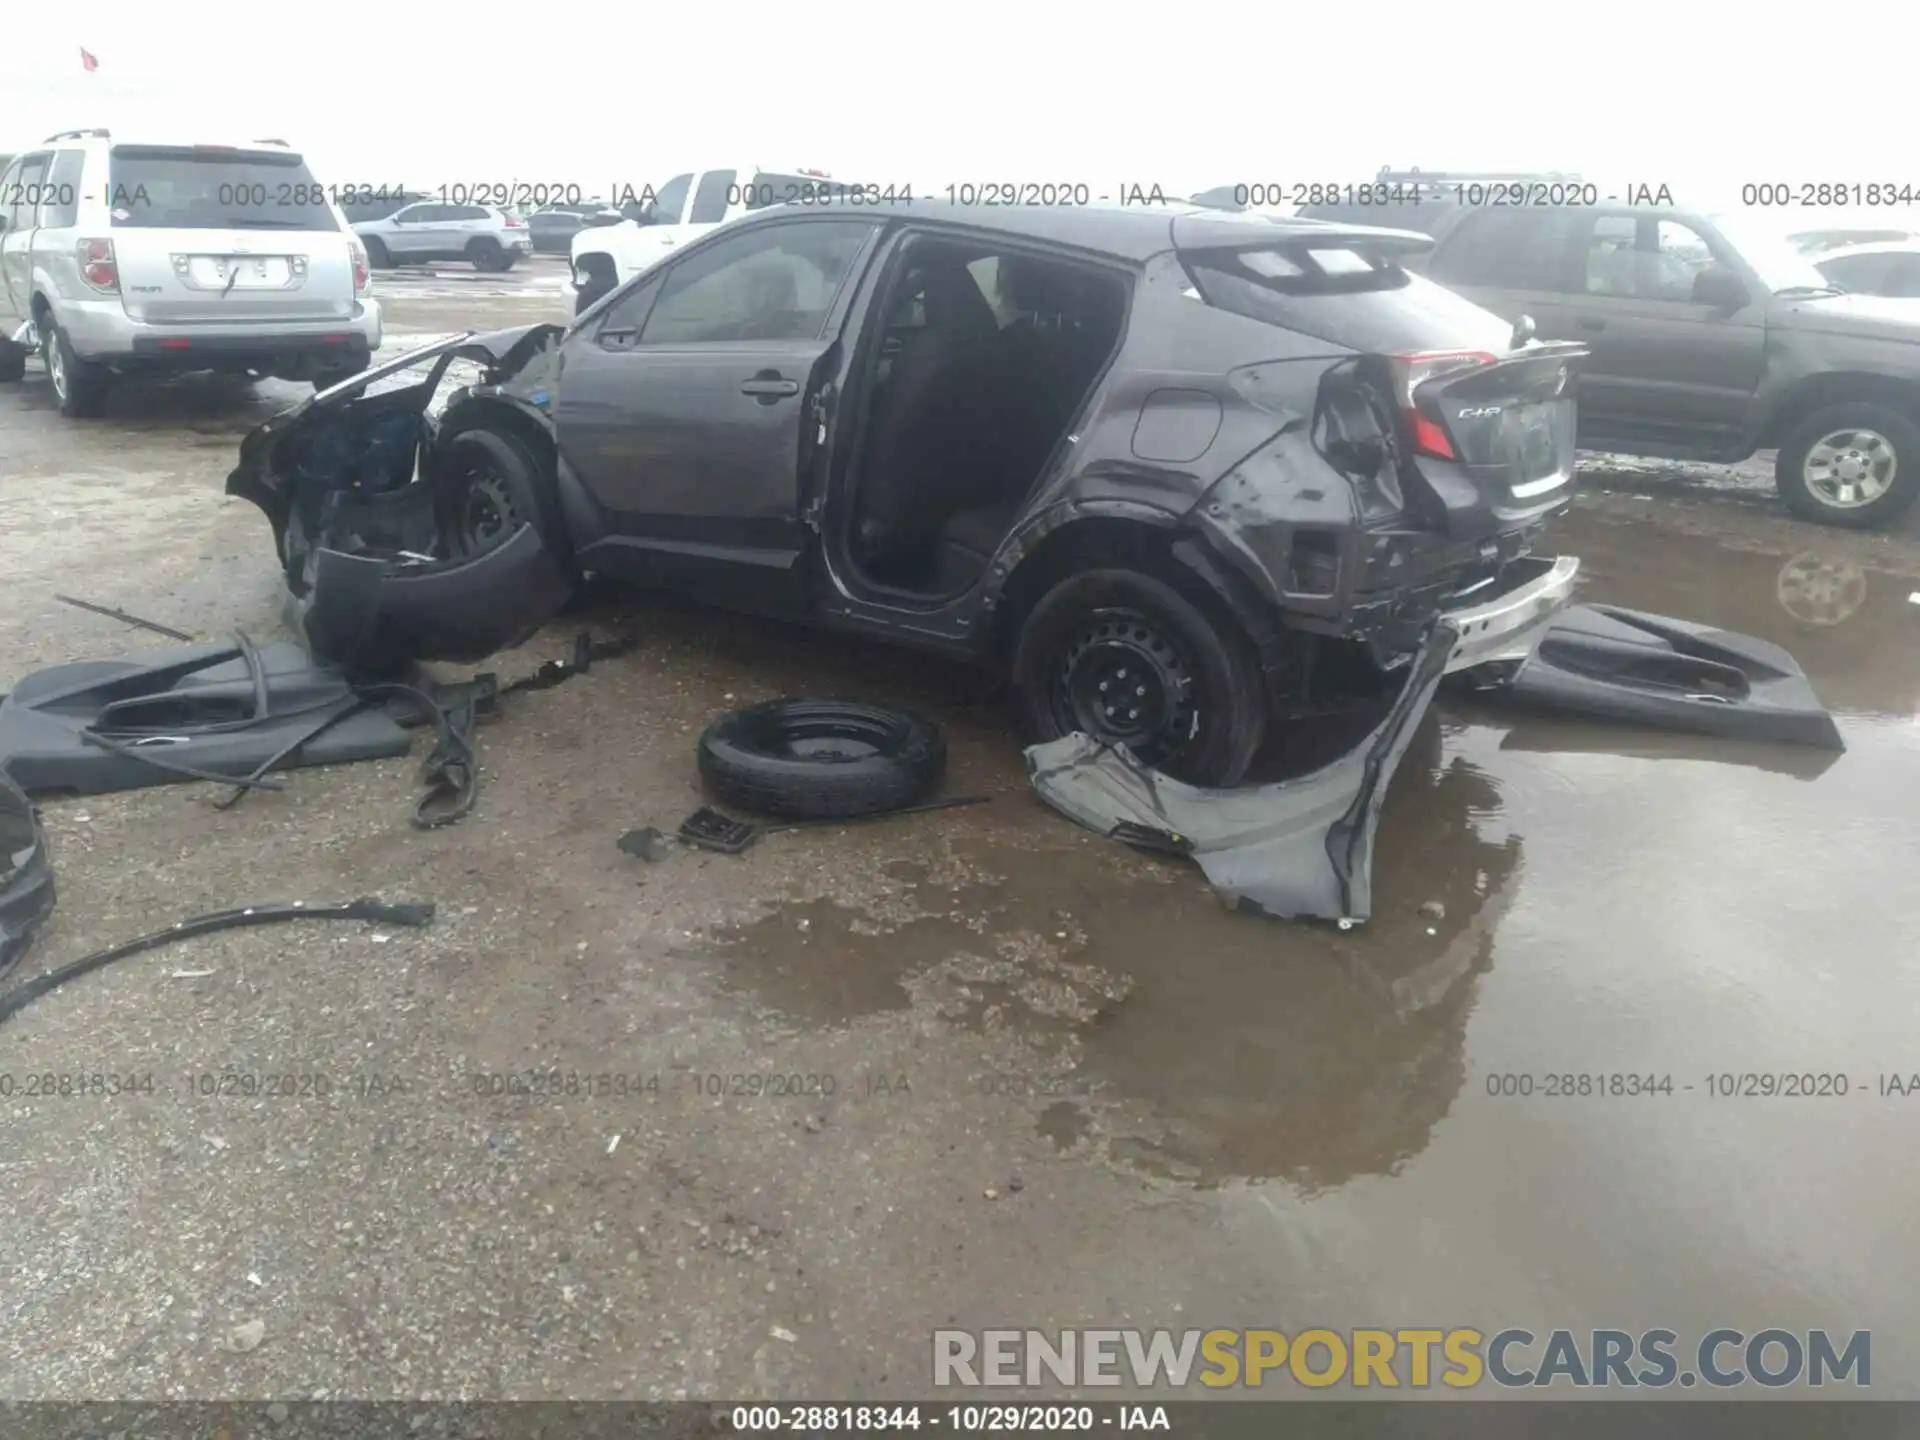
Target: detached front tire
1129, 659
1853, 465
821, 759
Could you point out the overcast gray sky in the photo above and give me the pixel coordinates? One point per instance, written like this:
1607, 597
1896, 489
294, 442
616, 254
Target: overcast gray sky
1188, 95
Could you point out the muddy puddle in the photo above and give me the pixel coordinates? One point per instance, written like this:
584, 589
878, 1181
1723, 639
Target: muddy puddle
1551, 895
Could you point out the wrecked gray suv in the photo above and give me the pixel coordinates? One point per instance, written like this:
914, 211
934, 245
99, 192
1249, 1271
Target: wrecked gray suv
1182, 474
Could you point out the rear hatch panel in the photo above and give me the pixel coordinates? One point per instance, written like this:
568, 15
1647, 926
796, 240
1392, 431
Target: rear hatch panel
213, 235
1510, 425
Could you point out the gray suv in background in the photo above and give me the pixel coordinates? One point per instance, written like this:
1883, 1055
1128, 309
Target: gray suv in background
119, 257
1709, 340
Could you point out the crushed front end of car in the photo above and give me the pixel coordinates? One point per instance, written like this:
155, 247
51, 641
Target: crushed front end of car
400, 541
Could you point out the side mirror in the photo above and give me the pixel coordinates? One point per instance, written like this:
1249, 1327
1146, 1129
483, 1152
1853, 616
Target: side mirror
1719, 287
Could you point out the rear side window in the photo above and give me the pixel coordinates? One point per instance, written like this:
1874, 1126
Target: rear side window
710, 200
60, 193
1344, 294
1506, 247
208, 188
1866, 273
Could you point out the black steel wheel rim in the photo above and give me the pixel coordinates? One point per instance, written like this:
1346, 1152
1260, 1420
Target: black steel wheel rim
820, 740
487, 513
1123, 679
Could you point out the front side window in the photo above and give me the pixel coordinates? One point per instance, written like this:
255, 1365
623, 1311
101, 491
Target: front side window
21, 196
775, 282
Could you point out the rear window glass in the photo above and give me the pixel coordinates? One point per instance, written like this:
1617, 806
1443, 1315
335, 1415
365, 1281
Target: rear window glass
1346, 295
200, 188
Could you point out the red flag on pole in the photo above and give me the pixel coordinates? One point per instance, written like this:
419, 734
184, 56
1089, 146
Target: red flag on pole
87, 60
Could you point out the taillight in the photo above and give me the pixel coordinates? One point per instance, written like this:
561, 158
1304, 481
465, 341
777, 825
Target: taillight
97, 265
360, 276
514, 222
1413, 371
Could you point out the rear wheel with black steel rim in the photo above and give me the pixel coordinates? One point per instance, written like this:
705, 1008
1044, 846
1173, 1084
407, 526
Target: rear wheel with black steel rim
1130, 660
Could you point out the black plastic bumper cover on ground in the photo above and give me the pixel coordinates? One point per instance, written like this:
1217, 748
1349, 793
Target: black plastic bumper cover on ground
379, 614
1295, 849
1618, 664
204, 711
26, 874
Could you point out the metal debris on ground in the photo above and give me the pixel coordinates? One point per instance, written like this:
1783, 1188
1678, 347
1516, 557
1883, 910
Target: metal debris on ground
124, 618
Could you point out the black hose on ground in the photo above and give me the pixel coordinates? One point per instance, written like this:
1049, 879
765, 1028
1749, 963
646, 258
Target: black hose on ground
414, 913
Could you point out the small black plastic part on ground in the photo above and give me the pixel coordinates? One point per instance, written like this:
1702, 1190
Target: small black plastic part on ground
414, 913
821, 759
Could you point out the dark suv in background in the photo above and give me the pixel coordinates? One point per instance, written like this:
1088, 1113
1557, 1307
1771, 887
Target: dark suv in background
1710, 339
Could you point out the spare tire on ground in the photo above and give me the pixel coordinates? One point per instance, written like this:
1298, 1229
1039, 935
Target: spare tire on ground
821, 759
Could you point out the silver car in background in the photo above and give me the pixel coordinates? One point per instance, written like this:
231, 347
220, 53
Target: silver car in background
120, 256
486, 236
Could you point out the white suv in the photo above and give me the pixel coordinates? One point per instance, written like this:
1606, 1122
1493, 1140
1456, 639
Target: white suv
489, 237
120, 256
686, 207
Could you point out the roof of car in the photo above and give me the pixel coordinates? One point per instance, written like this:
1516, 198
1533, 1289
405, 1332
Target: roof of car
1911, 245
1131, 232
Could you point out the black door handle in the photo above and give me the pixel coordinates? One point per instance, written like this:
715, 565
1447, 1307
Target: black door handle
1588, 322
770, 386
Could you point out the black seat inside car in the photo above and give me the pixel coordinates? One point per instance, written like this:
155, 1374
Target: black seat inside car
967, 410
928, 405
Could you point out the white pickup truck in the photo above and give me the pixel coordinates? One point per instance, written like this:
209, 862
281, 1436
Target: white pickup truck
684, 208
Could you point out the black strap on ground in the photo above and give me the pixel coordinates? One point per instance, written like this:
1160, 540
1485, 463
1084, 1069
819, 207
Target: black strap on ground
414, 913
451, 771
586, 650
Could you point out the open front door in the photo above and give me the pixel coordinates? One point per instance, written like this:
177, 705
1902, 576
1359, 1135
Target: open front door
691, 409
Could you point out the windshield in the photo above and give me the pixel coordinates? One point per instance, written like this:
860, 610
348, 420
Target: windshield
1772, 256
208, 188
